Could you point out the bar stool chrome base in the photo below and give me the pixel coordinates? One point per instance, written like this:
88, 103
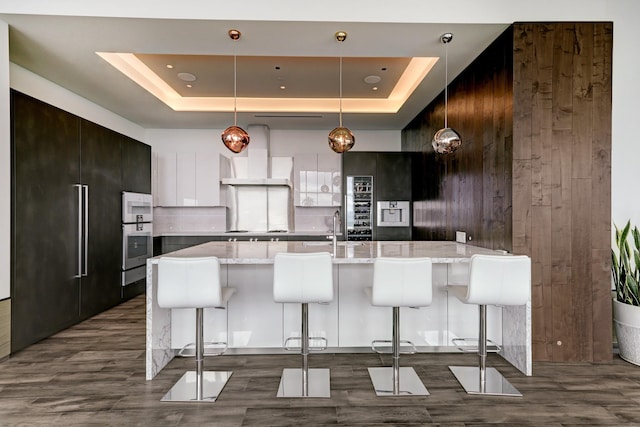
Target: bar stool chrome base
494, 384
186, 389
410, 383
292, 384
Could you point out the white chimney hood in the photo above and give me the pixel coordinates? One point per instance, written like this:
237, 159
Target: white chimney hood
255, 168
259, 191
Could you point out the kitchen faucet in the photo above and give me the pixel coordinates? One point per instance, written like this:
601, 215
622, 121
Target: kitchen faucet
334, 237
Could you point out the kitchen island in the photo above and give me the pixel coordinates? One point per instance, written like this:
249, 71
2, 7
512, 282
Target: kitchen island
253, 323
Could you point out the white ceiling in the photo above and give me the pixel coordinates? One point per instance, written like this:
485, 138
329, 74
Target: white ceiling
62, 50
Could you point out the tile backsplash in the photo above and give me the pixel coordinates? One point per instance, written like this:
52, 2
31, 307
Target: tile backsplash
213, 219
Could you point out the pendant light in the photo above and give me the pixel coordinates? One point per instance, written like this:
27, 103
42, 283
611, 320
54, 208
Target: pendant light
234, 137
341, 139
446, 140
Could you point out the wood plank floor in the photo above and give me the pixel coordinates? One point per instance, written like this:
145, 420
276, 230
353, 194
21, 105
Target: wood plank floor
94, 374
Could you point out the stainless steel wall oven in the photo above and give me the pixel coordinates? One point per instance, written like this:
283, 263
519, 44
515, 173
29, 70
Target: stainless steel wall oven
137, 235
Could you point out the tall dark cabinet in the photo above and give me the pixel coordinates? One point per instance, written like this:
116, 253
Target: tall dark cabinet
101, 172
57, 159
44, 289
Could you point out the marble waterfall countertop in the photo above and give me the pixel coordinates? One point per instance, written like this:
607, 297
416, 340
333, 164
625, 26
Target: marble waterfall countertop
263, 252
252, 315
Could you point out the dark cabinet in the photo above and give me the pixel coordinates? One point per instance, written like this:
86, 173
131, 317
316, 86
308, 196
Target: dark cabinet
44, 286
136, 166
392, 179
65, 265
101, 172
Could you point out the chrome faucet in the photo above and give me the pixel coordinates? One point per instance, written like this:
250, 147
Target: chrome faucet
334, 237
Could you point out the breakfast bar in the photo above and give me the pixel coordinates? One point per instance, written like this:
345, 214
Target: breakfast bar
253, 323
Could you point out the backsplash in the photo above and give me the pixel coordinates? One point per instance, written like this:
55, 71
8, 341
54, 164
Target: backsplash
213, 219
189, 220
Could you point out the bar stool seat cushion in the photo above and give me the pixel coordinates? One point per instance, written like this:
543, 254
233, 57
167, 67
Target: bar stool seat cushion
303, 277
191, 283
401, 282
497, 280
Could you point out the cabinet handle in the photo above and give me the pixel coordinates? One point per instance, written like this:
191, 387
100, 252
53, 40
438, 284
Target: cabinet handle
79, 246
85, 190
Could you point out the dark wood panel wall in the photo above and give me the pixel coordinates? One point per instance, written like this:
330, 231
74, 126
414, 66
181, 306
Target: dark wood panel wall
533, 176
470, 189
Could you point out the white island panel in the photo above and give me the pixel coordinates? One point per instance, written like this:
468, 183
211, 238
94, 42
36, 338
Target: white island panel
255, 320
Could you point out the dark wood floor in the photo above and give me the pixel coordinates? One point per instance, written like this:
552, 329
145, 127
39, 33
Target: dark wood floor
94, 374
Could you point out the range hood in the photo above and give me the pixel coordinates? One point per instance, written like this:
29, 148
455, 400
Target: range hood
259, 190
256, 168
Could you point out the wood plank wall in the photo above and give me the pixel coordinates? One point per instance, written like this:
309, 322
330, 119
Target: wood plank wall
533, 176
469, 190
562, 183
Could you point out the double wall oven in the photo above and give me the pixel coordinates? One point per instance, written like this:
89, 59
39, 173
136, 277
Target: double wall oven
137, 236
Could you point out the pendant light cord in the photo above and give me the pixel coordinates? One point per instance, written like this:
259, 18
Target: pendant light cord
341, 86
235, 95
446, 83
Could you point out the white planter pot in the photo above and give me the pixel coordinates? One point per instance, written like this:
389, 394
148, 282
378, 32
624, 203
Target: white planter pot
627, 320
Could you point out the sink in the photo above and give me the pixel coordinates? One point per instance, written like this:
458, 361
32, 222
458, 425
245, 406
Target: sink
348, 244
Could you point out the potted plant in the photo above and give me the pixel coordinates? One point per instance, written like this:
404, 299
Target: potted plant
625, 266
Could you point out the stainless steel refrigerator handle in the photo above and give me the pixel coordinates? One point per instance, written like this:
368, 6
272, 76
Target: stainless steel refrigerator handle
85, 190
79, 270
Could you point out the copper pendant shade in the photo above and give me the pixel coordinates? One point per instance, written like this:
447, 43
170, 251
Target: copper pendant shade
446, 140
341, 139
234, 137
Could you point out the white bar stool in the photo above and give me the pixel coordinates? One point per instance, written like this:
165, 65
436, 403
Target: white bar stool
399, 282
194, 283
303, 278
493, 280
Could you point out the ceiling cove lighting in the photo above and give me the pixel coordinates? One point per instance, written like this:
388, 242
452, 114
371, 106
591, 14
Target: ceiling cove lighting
131, 66
341, 139
234, 137
446, 140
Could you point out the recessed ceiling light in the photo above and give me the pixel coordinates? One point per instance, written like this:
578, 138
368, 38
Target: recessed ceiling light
186, 77
283, 87
372, 79
189, 85
374, 88
169, 66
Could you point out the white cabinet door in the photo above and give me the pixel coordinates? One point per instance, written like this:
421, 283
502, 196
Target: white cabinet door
330, 180
186, 179
167, 179
207, 179
317, 179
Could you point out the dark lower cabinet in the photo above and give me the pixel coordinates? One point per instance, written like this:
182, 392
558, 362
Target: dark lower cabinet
55, 155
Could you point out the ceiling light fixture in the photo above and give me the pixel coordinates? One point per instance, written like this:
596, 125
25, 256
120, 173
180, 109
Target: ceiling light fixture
341, 139
234, 137
446, 140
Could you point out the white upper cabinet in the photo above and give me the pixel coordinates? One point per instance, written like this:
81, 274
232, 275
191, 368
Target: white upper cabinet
188, 179
317, 179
